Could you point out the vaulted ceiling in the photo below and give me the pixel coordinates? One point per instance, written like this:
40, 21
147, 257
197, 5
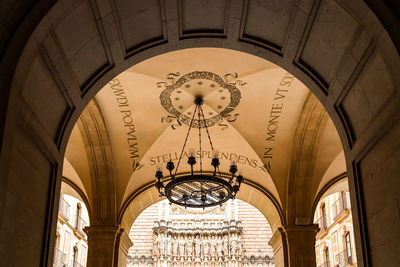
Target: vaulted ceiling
256, 112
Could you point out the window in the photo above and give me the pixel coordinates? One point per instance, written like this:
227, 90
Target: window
348, 244
323, 216
326, 256
75, 256
58, 240
78, 215
78, 209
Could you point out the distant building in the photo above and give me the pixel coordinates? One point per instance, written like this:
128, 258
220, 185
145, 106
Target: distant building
334, 246
71, 241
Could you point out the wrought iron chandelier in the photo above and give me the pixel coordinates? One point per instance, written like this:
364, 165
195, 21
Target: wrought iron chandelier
199, 189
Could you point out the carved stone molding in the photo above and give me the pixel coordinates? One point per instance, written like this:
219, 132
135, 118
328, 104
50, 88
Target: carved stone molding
98, 148
312, 120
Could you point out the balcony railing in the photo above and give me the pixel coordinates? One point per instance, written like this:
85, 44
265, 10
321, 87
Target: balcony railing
322, 222
325, 264
59, 257
347, 258
341, 205
79, 223
65, 208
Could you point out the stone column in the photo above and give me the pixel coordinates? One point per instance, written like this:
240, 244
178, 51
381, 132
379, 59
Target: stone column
101, 245
301, 245
279, 246
122, 248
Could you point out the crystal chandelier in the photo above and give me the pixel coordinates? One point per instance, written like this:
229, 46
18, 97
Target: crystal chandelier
199, 189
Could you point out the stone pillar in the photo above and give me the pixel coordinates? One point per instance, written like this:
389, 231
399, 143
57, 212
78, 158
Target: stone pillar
101, 245
301, 245
122, 248
279, 245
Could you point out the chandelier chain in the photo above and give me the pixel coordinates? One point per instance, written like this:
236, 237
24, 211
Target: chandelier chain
199, 116
199, 190
205, 125
184, 144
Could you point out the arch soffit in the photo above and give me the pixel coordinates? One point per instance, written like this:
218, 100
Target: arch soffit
251, 193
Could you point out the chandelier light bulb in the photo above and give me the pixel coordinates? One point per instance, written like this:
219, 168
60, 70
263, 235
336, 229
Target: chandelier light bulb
233, 161
159, 167
215, 154
192, 152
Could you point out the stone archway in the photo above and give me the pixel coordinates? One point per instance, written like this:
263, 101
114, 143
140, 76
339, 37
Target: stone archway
345, 68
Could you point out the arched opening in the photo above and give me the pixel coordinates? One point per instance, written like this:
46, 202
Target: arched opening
62, 68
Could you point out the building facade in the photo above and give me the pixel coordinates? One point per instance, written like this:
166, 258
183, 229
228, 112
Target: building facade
334, 246
233, 234
71, 241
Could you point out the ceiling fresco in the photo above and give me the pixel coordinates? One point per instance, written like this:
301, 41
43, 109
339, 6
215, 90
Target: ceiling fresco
251, 107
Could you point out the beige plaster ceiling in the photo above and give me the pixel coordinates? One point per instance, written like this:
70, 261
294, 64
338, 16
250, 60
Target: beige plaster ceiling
253, 108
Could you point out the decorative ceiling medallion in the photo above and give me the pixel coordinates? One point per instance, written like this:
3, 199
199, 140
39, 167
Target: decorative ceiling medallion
204, 83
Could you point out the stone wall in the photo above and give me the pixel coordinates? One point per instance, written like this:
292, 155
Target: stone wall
141, 232
256, 230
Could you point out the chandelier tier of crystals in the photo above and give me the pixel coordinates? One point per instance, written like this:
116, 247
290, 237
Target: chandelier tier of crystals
199, 189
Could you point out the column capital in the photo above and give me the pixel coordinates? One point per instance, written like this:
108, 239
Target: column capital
279, 246
311, 228
103, 229
122, 248
301, 244
276, 240
124, 241
102, 240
